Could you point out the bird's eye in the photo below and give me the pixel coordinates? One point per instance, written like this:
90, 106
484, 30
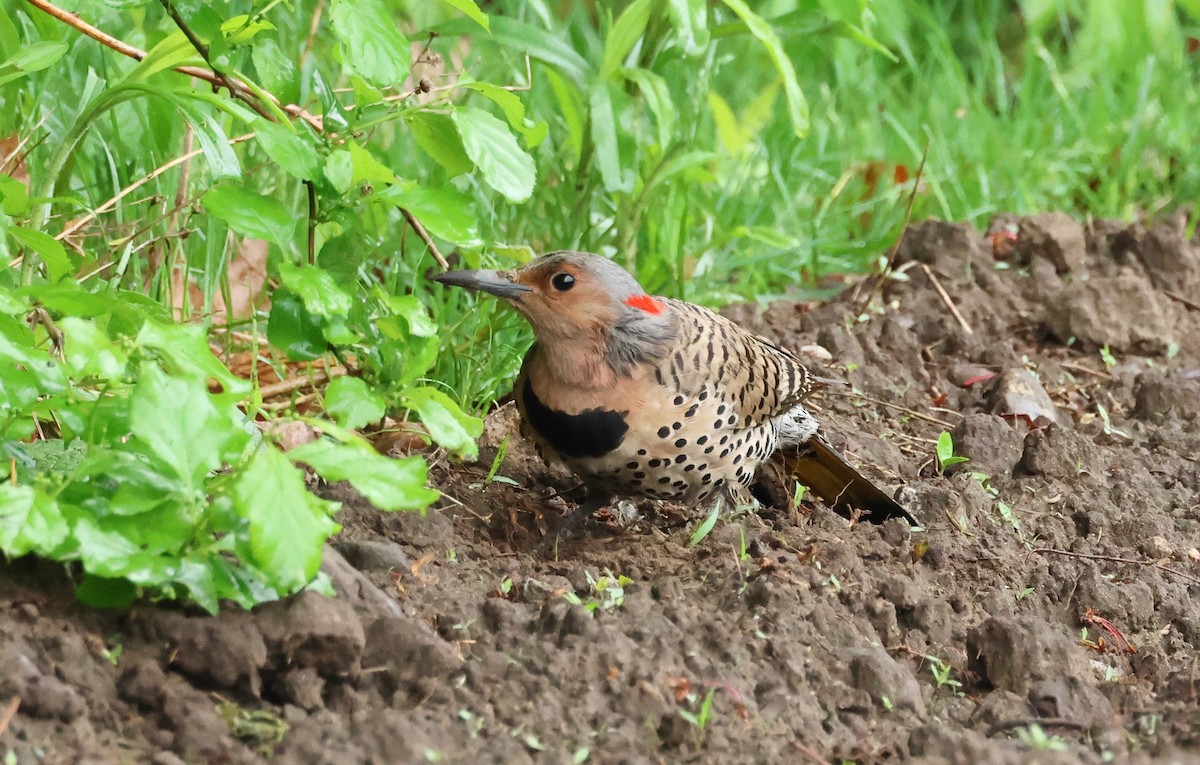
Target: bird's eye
563, 282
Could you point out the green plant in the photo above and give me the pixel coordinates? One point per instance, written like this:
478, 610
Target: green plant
945, 453
608, 593
703, 716
1035, 737
941, 672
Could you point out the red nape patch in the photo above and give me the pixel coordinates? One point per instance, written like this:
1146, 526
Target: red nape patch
645, 303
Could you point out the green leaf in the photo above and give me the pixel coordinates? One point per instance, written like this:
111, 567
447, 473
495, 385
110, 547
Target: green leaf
389, 484
316, 287
945, 447
447, 424
288, 525
185, 350
514, 112
444, 211
30, 521
351, 402
33, 57
371, 43
293, 329
52, 253
339, 169
658, 97
628, 29
470, 10
504, 165
171, 51
222, 162
176, 418
368, 169
523, 38
438, 137
102, 592
289, 149
705, 528
89, 352
414, 312
252, 214
797, 105
690, 18
604, 137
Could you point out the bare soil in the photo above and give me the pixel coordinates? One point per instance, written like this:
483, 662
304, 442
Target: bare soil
1048, 611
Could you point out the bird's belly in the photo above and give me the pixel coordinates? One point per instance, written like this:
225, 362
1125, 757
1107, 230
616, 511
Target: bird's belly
667, 465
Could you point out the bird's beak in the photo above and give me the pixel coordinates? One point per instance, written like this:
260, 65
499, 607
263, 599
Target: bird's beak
498, 283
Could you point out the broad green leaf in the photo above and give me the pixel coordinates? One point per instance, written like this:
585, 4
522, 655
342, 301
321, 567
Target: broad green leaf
625, 32
89, 352
252, 214
102, 592
438, 137
276, 72
176, 418
316, 287
15, 196
111, 554
289, 149
372, 45
29, 521
50, 250
797, 105
368, 169
288, 525
570, 105
447, 424
502, 163
945, 447
414, 312
293, 329
389, 484
690, 19
604, 138
470, 10
514, 112
352, 404
444, 211
339, 170
184, 348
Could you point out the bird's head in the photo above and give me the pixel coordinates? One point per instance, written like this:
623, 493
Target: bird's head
581, 306
567, 295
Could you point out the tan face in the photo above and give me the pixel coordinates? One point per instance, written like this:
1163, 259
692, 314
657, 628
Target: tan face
566, 295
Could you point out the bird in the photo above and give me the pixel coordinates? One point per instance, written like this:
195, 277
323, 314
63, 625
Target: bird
651, 397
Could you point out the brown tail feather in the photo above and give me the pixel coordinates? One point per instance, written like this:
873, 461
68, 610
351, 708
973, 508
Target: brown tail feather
818, 466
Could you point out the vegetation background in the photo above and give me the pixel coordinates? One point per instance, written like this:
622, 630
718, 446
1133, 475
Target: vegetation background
217, 218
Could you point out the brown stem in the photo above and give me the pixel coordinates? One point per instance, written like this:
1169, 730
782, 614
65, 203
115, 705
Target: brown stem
426, 238
137, 54
312, 221
1115, 559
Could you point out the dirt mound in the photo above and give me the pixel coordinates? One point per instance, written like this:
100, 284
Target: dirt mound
1049, 603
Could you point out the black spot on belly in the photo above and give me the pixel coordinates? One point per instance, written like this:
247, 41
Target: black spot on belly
591, 433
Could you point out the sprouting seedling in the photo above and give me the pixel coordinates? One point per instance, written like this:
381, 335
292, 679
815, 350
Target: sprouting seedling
705, 528
946, 457
703, 717
492, 476
1107, 357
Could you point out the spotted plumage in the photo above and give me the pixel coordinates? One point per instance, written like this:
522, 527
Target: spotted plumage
653, 397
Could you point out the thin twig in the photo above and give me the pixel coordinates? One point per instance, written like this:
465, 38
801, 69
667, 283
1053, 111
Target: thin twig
1194, 306
235, 88
897, 407
313, 25
426, 238
803, 749
937, 286
72, 20
1115, 559
287, 386
890, 268
311, 188
1082, 368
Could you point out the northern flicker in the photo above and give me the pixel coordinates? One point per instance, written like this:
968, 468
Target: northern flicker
652, 397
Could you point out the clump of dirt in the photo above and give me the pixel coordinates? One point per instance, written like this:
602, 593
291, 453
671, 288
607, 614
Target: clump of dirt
1049, 603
